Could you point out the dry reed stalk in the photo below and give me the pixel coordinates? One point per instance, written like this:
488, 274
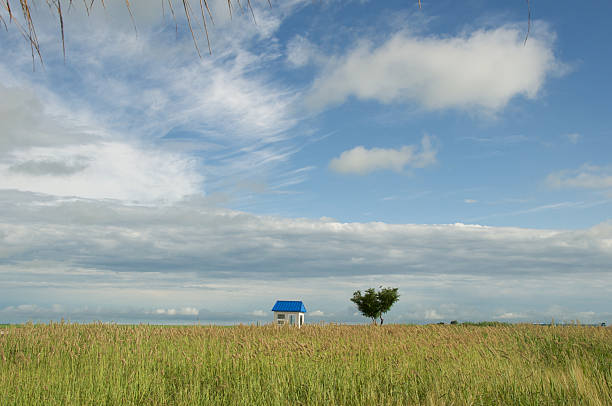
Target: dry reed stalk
30, 33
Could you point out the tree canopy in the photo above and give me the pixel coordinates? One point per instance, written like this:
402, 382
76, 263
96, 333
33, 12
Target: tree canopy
374, 304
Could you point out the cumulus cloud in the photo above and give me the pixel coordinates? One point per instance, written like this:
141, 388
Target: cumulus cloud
362, 161
480, 70
585, 177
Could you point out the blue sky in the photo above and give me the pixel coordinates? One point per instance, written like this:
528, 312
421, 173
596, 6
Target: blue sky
330, 146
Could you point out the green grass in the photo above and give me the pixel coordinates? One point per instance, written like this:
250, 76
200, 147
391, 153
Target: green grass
97, 364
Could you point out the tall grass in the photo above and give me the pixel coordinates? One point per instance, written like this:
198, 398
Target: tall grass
98, 364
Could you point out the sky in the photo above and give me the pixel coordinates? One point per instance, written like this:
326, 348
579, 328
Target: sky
459, 152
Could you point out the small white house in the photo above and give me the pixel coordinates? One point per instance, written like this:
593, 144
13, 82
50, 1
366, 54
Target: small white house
289, 312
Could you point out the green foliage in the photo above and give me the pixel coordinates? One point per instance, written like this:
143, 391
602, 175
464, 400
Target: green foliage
374, 304
367, 303
101, 364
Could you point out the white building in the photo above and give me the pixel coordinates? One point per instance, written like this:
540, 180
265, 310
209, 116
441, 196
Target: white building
289, 312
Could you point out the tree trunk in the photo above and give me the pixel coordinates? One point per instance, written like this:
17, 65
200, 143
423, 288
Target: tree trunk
381, 321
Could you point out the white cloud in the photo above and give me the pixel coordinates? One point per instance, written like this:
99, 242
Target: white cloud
226, 95
573, 137
259, 313
105, 170
585, 177
184, 311
33, 117
182, 116
481, 70
360, 160
129, 313
189, 237
317, 313
432, 314
50, 147
470, 201
511, 316
301, 52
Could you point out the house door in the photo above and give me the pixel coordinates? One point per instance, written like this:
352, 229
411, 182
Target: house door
301, 319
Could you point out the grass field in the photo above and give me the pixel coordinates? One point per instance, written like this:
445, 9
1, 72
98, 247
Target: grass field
96, 364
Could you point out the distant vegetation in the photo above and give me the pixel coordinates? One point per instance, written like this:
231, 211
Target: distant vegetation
100, 364
484, 323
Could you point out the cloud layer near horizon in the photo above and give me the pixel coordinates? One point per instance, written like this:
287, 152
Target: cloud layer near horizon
193, 237
177, 256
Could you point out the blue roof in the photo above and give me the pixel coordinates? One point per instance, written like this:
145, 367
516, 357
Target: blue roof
289, 306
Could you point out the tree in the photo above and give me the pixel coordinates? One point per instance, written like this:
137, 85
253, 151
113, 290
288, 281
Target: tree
374, 304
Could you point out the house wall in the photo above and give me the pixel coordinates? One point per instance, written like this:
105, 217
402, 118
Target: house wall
296, 316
